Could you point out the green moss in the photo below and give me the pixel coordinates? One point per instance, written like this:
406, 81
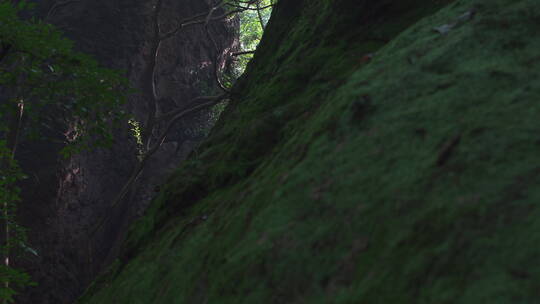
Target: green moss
411, 178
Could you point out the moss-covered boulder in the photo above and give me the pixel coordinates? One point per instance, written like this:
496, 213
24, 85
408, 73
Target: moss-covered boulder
374, 152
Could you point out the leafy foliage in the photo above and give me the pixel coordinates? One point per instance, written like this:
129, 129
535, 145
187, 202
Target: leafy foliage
45, 84
253, 20
10, 174
41, 69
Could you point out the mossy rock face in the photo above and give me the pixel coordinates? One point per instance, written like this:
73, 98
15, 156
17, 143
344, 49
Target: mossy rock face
372, 153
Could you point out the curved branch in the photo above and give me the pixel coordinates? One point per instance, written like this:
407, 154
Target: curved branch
149, 76
173, 113
195, 20
140, 165
58, 5
218, 56
150, 93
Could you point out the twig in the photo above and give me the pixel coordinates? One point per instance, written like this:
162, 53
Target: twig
193, 21
261, 21
242, 53
149, 89
218, 56
58, 5
140, 165
173, 113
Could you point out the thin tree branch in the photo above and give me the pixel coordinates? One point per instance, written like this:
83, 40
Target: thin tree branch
140, 165
249, 8
261, 21
194, 21
217, 61
242, 53
173, 113
12, 143
149, 77
150, 93
57, 6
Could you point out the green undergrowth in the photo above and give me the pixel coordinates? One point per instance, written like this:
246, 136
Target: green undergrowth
366, 157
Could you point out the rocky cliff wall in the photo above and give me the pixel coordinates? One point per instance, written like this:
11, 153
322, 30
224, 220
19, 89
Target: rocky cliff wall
374, 152
64, 200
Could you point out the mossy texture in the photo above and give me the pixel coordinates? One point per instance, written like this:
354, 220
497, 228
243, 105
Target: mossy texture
366, 157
